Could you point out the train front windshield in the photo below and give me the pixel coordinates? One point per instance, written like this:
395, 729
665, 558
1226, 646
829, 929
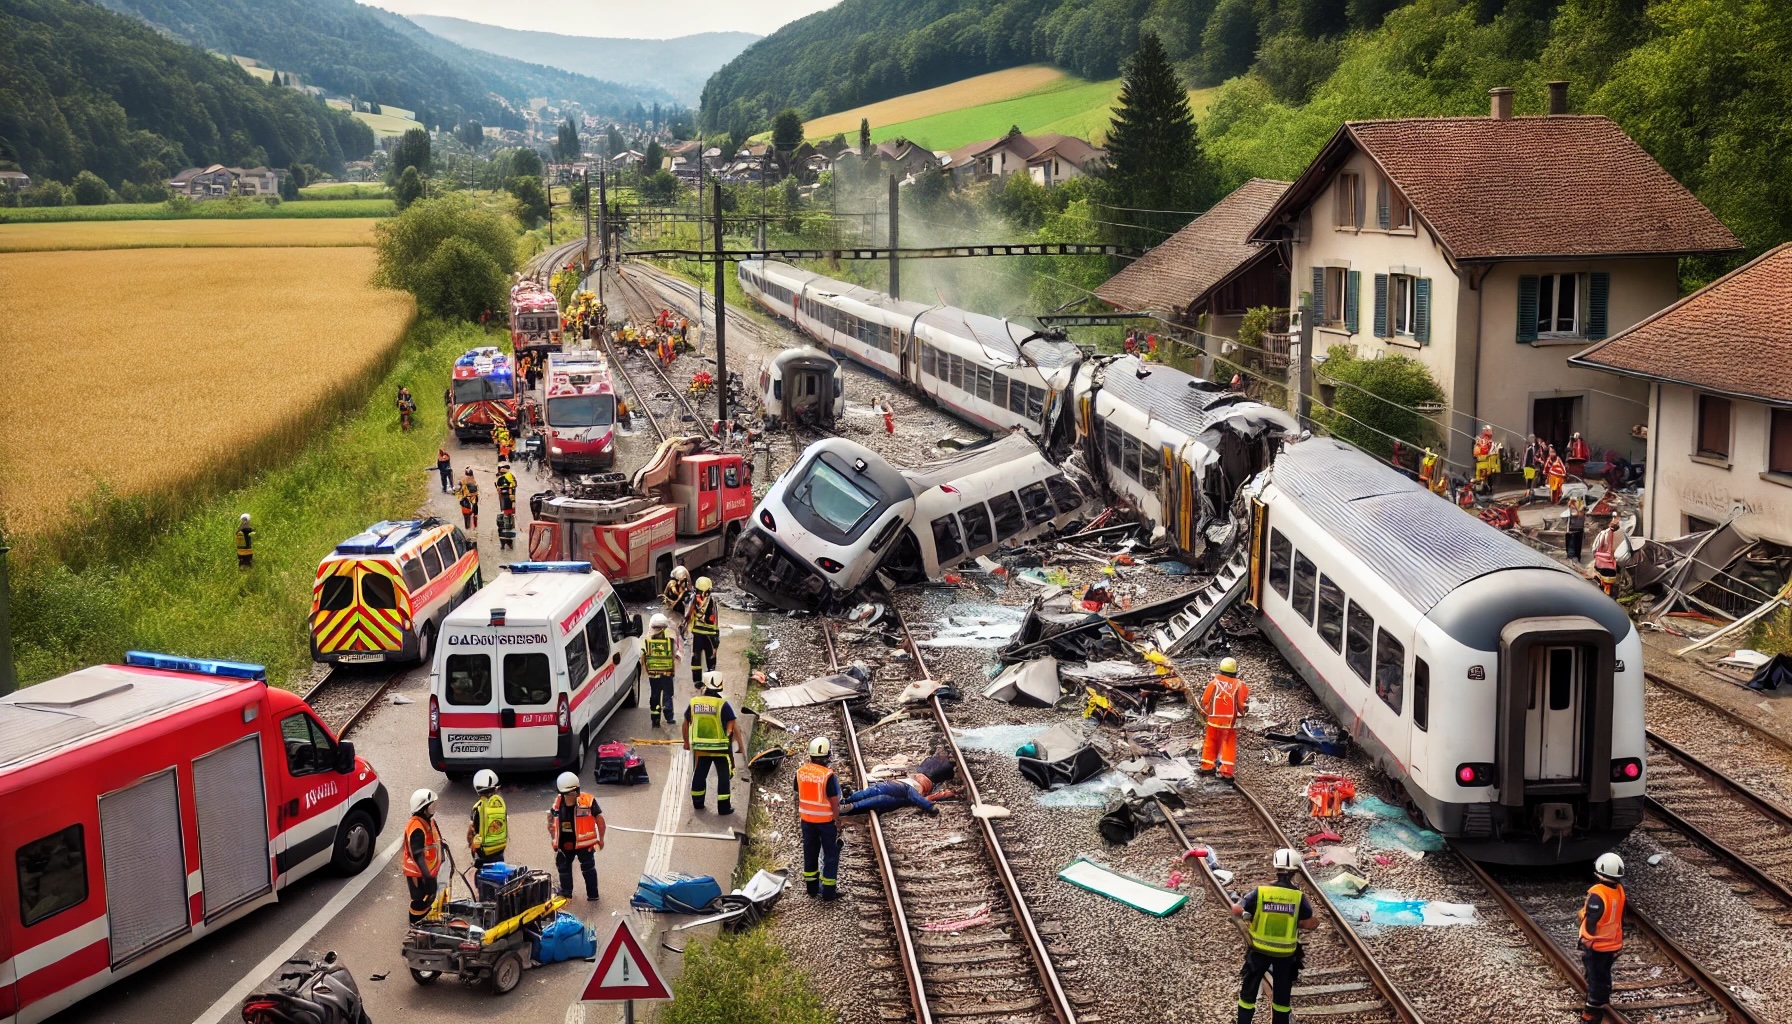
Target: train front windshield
828, 493
482, 389
582, 411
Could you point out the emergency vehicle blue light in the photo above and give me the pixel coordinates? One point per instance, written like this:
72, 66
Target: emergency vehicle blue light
382, 538
198, 666
549, 567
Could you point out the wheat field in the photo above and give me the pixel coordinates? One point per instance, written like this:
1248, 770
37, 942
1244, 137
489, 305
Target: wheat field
159, 234
144, 370
997, 85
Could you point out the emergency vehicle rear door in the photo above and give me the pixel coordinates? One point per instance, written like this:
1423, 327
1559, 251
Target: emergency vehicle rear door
146, 869
311, 793
470, 711
528, 709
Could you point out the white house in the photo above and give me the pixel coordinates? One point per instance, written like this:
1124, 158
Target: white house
1491, 249
1718, 366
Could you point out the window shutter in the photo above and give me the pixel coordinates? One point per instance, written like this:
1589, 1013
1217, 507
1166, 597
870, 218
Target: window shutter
1381, 305
1361, 195
1527, 308
1319, 294
1599, 288
1421, 331
1353, 287
1381, 205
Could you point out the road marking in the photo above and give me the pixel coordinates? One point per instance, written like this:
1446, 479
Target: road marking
227, 1003
678, 784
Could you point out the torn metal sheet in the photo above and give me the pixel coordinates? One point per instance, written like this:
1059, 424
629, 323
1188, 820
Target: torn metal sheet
819, 690
1086, 874
1199, 616
1029, 684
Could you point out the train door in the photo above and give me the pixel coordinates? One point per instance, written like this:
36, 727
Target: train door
1553, 717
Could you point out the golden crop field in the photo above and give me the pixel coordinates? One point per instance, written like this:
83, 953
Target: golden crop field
194, 233
139, 369
997, 85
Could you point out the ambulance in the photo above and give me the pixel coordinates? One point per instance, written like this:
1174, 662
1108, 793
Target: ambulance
382, 594
529, 669
151, 803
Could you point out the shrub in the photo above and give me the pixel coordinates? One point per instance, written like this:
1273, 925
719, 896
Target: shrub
460, 280
409, 188
531, 199
91, 190
48, 193
407, 241
742, 979
1376, 401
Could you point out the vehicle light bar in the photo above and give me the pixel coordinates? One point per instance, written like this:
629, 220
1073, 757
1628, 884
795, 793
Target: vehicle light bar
198, 666
526, 567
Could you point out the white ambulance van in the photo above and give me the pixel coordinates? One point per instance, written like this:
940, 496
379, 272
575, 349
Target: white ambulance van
529, 669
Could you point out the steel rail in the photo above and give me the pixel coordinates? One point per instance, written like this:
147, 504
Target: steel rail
628, 378
1694, 971
643, 301
1765, 804
886, 867
1042, 960
360, 711
1699, 698
1740, 791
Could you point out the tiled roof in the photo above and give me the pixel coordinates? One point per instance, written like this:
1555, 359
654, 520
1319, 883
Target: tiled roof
1517, 187
1198, 257
1026, 147
1732, 336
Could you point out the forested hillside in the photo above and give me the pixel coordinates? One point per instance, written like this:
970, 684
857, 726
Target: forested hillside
367, 53
86, 88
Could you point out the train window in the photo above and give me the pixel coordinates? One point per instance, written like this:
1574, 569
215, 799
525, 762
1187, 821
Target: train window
927, 360
1306, 575
834, 497
1017, 398
1331, 613
432, 564
998, 395
1561, 678
528, 681
1068, 498
1111, 445
1359, 643
378, 591
415, 578
955, 371
977, 531
986, 382
469, 679
1008, 516
946, 545
52, 874
1129, 455
578, 660
1038, 504
1390, 668
337, 593
1149, 466
1036, 404
1421, 694
1281, 553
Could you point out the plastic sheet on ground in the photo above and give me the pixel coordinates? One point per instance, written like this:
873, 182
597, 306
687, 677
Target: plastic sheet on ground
1030, 684
1405, 837
1005, 738
816, 691
1390, 909
981, 628
1094, 792
1085, 873
1366, 806
1104, 670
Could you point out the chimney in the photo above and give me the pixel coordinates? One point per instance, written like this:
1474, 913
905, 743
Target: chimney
1502, 102
1558, 98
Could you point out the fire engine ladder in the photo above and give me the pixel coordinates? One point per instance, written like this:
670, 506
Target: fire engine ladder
1198, 617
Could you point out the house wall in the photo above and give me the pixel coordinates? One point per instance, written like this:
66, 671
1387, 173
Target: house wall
1682, 484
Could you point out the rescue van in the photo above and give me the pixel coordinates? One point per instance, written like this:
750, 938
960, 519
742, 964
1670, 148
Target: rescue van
529, 669
382, 594
580, 411
482, 393
150, 803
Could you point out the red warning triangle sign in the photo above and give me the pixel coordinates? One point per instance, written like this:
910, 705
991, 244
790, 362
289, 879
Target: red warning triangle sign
624, 971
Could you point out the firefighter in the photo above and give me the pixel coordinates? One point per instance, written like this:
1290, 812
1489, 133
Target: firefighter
501, 439
1428, 468
678, 596
506, 489
489, 831
818, 804
468, 493
245, 542
406, 407
1278, 914
661, 656
1601, 932
1487, 457
711, 734
422, 854
445, 470
705, 630
576, 830
1225, 698
1557, 473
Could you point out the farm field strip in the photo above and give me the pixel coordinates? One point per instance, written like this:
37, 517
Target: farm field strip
997, 85
211, 209
192, 234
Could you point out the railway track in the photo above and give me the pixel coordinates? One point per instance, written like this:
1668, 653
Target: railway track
1742, 837
933, 873
344, 696
641, 308
542, 266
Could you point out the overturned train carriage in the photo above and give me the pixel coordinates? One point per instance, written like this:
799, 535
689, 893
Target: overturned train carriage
1501, 692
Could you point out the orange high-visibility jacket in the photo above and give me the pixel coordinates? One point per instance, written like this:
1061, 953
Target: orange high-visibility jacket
432, 848
1224, 700
812, 792
1608, 935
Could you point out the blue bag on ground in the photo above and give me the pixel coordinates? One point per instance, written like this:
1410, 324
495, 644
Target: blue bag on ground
563, 938
675, 894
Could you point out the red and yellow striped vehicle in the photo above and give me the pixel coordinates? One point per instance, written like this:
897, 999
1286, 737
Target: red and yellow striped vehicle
382, 594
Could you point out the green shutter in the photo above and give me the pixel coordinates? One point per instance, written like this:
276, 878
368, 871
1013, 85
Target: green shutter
1319, 295
1598, 299
1527, 308
1381, 305
1421, 331
1353, 287
1361, 198
1381, 205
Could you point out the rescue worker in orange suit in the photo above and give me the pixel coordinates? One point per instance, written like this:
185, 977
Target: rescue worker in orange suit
704, 626
1278, 913
1578, 454
883, 408
818, 805
1487, 459
576, 830
468, 492
1605, 558
1557, 473
422, 852
1225, 698
1602, 932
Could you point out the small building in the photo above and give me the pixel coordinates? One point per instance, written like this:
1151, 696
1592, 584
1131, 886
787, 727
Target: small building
1718, 368
16, 181
218, 181
1049, 158
901, 157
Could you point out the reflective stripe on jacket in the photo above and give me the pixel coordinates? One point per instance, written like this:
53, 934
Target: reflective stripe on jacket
491, 824
704, 616
662, 660
245, 540
708, 734
1607, 936
1276, 920
1605, 550
812, 792
584, 822
432, 848
1224, 700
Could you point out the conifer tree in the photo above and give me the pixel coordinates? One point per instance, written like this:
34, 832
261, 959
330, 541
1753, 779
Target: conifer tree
1154, 155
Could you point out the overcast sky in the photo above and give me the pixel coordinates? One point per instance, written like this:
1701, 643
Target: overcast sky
635, 19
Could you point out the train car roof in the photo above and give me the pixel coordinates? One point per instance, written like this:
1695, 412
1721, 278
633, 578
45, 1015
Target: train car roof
1420, 543
997, 453
1181, 400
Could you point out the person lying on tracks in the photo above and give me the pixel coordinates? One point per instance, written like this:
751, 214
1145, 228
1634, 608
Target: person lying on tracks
911, 790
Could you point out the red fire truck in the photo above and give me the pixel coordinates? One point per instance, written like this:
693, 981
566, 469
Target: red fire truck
686, 506
534, 318
580, 411
152, 802
482, 393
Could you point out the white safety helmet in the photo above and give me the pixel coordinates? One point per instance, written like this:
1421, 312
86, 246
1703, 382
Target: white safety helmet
712, 682
1609, 865
818, 747
1287, 860
659, 621
422, 799
567, 782
703, 584
681, 573
485, 780
243, 520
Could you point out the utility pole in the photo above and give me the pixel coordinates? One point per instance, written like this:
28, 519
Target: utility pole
603, 233
721, 321
586, 180
1303, 408
895, 243
702, 181
763, 154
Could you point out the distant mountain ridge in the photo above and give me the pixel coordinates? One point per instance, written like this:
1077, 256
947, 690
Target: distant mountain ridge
679, 66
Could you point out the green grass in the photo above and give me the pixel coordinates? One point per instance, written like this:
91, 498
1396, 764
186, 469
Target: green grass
124, 576
1073, 106
345, 190
744, 979
242, 208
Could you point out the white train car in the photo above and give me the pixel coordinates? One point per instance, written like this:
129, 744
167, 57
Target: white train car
1502, 693
802, 385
